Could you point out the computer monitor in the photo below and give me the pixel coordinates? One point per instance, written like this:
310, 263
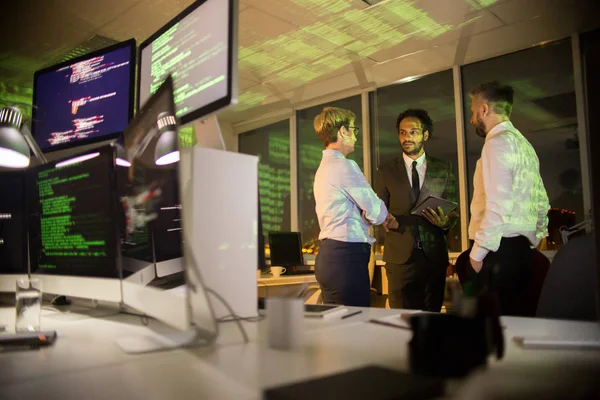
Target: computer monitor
286, 249
199, 49
13, 232
149, 189
262, 262
86, 99
153, 230
73, 220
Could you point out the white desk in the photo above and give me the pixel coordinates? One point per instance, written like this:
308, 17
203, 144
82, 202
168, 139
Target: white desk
288, 285
85, 363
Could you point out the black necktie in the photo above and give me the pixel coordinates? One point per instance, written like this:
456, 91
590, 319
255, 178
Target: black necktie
415, 181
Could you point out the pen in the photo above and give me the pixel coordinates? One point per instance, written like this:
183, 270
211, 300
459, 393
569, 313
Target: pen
374, 321
349, 315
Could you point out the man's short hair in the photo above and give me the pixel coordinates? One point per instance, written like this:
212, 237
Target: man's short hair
329, 121
419, 114
499, 96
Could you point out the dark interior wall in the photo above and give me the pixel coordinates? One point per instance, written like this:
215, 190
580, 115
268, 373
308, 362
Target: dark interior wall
590, 50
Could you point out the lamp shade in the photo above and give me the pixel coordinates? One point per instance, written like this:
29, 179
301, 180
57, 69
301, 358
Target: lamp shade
122, 157
166, 151
14, 152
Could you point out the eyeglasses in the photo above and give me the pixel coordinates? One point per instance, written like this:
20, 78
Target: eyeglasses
355, 128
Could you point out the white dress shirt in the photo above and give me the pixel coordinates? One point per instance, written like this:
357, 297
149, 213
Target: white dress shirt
341, 193
421, 168
509, 198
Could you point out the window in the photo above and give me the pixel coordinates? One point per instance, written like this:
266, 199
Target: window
271, 144
544, 111
433, 93
310, 150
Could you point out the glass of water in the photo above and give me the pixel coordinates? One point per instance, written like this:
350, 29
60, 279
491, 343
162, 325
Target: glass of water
28, 305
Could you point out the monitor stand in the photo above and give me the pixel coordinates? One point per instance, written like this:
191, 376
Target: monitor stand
153, 342
208, 133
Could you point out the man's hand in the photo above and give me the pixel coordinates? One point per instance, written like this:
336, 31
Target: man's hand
476, 265
363, 214
390, 223
439, 218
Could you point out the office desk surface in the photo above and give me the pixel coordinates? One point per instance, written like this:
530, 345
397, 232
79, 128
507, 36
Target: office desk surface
86, 363
287, 279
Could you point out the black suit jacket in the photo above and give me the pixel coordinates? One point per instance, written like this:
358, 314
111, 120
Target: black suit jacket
393, 187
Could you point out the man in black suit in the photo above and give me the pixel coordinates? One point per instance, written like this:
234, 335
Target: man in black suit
416, 254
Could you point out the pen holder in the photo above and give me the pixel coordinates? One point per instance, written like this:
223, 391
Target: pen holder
449, 345
285, 322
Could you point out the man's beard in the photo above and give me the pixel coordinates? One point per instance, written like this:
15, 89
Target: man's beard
480, 128
416, 149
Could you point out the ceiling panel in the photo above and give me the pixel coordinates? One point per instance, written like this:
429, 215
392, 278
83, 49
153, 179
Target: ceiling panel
294, 49
515, 11
474, 23
292, 12
148, 19
262, 25
548, 27
417, 64
244, 84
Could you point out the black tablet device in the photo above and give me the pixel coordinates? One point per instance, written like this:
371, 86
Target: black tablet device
434, 202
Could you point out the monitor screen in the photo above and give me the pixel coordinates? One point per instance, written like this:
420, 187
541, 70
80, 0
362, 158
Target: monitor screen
13, 233
199, 49
84, 100
73, 216
149, 188
286, 249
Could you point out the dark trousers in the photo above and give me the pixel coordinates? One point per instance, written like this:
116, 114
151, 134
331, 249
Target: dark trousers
418, 284
505, 272
342, 270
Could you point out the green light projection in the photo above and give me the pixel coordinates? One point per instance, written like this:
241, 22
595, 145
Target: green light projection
303, 55
272, 145
479, 4
187, 136
11, 95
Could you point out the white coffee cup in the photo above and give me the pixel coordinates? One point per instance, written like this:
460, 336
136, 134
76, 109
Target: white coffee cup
277, 271
285, 322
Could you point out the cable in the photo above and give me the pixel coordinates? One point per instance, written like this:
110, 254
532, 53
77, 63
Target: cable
226, 304
50, 308
231, 318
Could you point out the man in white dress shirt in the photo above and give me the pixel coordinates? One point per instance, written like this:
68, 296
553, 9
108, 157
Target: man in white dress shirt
346, 206
509, 209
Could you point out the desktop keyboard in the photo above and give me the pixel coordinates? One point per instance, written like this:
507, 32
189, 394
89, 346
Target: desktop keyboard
573, 339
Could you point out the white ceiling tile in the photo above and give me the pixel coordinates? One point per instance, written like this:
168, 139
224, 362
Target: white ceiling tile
472, 24
289, 11
246, 83
520, 10
262, 24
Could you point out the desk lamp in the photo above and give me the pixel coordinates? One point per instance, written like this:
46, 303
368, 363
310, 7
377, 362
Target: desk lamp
166, 148
166, 151
16, 140
122, 160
